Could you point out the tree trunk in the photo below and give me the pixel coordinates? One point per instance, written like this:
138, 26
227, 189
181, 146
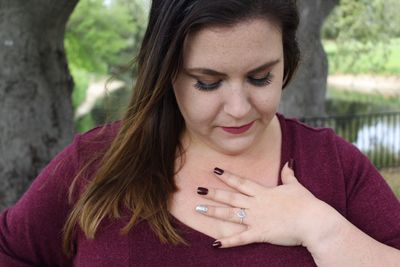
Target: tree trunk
36, 118
305, 96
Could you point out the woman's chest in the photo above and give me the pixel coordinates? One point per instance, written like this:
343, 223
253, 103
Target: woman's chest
141, 247
183, 203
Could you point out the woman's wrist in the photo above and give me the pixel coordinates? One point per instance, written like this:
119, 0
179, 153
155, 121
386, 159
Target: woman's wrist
327, 231
340, 243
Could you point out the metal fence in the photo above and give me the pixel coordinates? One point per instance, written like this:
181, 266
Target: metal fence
377, 135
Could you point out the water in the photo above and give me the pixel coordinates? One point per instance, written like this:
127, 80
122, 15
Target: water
377, 136
380, 135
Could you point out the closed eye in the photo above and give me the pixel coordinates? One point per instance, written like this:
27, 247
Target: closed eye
207, 86
260, 82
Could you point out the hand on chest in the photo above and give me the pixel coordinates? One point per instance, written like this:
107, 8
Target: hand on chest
184, 201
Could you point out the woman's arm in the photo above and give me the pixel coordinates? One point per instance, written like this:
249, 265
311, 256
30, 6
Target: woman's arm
31, 230
340, 243
372, 206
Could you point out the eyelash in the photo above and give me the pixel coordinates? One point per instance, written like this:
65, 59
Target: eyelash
256, 82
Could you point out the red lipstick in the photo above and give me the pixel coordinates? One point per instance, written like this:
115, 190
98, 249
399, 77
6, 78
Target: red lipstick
238, 130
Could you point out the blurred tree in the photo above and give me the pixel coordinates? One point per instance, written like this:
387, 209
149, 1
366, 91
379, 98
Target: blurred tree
35, 90
305, 96
101, 39
363, 20
362, 29
100, 36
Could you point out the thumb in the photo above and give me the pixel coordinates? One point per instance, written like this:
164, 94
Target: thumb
287, 173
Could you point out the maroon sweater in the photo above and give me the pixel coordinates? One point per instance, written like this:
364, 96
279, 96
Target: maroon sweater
331, 168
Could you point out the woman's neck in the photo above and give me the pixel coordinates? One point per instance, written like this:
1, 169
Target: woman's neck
265, 148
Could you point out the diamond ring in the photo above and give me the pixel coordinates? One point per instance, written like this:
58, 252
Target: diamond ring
241, 214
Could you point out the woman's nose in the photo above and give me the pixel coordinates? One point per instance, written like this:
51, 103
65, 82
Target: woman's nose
237, 103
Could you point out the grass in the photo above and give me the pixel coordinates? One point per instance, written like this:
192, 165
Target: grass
361, 97
393, 63
357, 58
392, 176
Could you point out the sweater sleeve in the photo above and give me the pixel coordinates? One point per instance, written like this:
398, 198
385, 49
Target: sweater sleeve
371, 204
31, 230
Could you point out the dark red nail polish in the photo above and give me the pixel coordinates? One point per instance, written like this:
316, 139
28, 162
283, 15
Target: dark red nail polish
218, 171
202, 191
216, 244
291, 164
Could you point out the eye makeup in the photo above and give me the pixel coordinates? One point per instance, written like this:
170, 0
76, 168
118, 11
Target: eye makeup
202, 86
259, 82
253, 77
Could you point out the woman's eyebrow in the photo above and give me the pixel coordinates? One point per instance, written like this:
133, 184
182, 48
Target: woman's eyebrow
211, 72
205, 71
264, 66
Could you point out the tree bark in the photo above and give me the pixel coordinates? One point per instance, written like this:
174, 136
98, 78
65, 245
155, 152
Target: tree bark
36, 118
305, 96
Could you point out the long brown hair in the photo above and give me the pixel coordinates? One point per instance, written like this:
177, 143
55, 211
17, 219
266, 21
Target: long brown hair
137, 170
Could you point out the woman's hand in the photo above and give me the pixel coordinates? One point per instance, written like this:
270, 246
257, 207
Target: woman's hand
286, 215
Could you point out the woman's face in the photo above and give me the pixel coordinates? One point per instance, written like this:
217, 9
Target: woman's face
230, 85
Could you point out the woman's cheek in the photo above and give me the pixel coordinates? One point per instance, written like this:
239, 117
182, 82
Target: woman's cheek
267, 102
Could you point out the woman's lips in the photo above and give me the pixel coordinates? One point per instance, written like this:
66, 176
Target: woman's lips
238, 130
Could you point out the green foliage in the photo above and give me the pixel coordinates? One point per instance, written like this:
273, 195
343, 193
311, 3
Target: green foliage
393, 62
342, 102
355, 57
107, 109
81, 80
98, 36
101, 39
363, 20
85, 123
392, 176
361, 31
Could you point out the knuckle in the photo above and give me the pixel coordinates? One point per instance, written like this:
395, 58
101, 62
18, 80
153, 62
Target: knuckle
235, 181
212, 193
211, 211
241, 181
223, 196
230, 197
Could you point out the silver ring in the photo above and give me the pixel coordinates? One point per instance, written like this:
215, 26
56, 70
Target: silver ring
241, 213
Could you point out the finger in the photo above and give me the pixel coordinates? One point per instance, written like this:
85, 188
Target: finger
241, 239
231, 198
228, 214
287, 174
242, 185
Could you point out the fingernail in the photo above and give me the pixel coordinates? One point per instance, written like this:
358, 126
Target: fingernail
218, 171
291, 164
201, 208
202, 191
216, 244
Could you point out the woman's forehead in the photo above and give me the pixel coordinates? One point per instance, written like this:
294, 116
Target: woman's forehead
251, 42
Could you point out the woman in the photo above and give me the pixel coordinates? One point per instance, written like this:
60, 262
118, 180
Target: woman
202, 170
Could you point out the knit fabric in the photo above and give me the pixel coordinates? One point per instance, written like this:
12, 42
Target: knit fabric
334, 170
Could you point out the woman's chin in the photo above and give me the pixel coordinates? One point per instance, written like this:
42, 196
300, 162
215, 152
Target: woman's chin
236, 147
